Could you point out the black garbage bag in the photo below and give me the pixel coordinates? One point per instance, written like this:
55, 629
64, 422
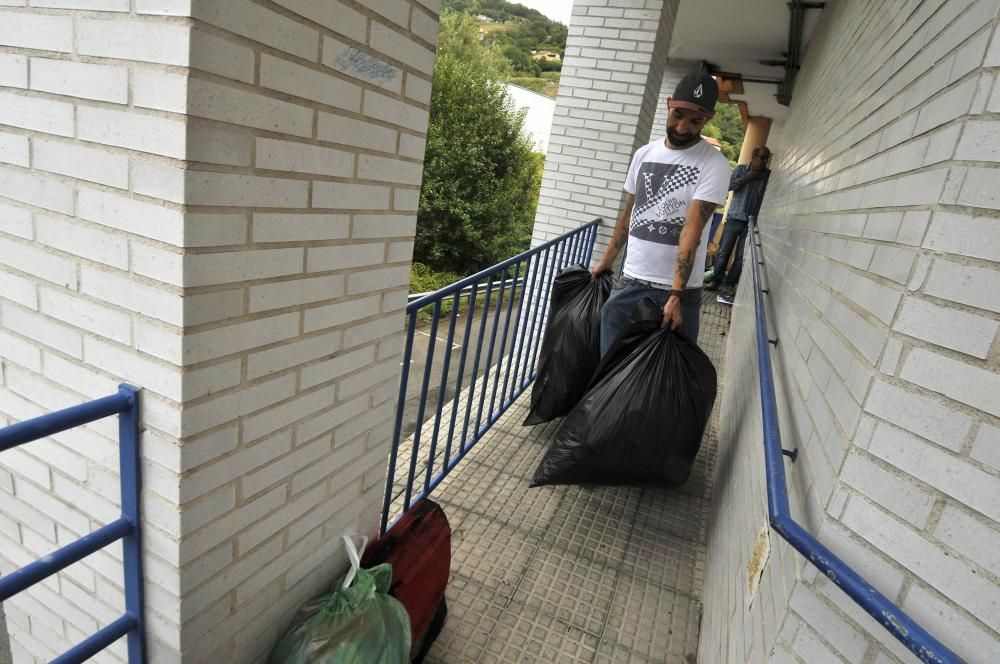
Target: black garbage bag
571, 348
642, 419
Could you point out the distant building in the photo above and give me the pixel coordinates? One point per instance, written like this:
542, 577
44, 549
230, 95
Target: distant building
540, 110
546, 55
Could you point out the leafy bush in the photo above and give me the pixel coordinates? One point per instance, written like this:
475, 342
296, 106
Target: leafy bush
425, 280
481, 178
727, 127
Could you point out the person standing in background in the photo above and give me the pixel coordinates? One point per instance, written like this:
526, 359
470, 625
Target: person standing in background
748, 184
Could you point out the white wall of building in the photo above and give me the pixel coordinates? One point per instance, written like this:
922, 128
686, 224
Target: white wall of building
538, 110
881, 234
216, 202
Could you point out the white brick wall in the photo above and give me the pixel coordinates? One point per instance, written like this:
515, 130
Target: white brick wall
215, 202
611, 80
70, 332
877, 227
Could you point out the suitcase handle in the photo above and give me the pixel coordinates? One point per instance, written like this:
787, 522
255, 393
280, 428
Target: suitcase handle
354, 557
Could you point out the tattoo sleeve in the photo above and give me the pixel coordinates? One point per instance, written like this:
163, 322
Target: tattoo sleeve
619, 236
685, 263
705, 210
688, 244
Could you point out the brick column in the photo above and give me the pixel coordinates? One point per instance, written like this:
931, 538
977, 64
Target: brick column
93, 142
216, 202
612, 75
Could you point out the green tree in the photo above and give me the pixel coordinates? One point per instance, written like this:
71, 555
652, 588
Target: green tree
481, 177
526, 29
522, 62
727, 127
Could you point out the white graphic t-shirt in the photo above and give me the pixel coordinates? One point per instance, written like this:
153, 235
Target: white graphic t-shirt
664, 182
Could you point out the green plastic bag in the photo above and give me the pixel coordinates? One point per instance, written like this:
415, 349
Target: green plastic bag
356, 622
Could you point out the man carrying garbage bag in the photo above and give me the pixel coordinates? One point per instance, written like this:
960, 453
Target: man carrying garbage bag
644, 414
673, 186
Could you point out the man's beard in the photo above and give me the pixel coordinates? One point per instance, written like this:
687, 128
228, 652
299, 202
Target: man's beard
681, 140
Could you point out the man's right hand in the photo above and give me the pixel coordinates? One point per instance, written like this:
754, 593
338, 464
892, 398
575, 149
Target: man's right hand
599, 269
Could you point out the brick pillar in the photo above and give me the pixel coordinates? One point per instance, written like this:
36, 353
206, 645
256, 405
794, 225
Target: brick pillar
216, 202
612, 75
93, 143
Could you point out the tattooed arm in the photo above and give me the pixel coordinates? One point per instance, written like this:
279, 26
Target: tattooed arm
698, 214
618, 238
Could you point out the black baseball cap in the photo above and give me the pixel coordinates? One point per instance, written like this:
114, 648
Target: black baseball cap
696, 92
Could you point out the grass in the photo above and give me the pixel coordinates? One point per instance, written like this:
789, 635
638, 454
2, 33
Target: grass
424, 280
547, 84
497, 27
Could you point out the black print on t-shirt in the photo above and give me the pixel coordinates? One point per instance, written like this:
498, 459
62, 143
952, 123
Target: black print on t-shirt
657, 216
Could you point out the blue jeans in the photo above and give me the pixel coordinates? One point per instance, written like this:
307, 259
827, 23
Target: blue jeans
734, 235
626, 296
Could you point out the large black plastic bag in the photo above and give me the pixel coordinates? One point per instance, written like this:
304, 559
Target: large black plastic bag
571, 348
642, 419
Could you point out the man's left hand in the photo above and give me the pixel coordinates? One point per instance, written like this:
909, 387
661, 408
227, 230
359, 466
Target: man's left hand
672, 313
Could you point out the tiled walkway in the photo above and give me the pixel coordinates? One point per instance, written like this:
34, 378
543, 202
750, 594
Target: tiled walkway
574, 574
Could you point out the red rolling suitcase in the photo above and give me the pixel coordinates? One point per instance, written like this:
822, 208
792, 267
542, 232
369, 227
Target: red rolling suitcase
418, 547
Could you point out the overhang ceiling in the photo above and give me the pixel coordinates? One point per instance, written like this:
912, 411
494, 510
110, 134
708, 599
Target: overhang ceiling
734, 36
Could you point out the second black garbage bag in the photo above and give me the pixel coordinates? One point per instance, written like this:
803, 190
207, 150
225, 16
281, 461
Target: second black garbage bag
642, 419
571, 347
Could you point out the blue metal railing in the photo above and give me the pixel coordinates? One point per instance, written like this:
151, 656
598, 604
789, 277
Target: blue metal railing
890, 616
466, 406
128, 528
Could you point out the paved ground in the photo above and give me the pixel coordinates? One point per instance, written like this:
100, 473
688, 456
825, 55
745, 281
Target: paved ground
570, 574
574, 574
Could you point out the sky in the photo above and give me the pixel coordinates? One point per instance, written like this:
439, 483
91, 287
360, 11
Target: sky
557, 10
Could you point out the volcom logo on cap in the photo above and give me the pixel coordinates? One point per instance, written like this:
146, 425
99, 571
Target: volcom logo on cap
698, 92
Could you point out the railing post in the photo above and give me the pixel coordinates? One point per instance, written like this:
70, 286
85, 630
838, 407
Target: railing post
537, 304
442, 391
131, 490
502, 364
469, 405
519, 328
421, 405
489, 356
591, 239
398, 426
461, 376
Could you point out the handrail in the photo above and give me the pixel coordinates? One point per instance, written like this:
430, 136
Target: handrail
890, 616
496, 379
128, 528
413, 297
479, 276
